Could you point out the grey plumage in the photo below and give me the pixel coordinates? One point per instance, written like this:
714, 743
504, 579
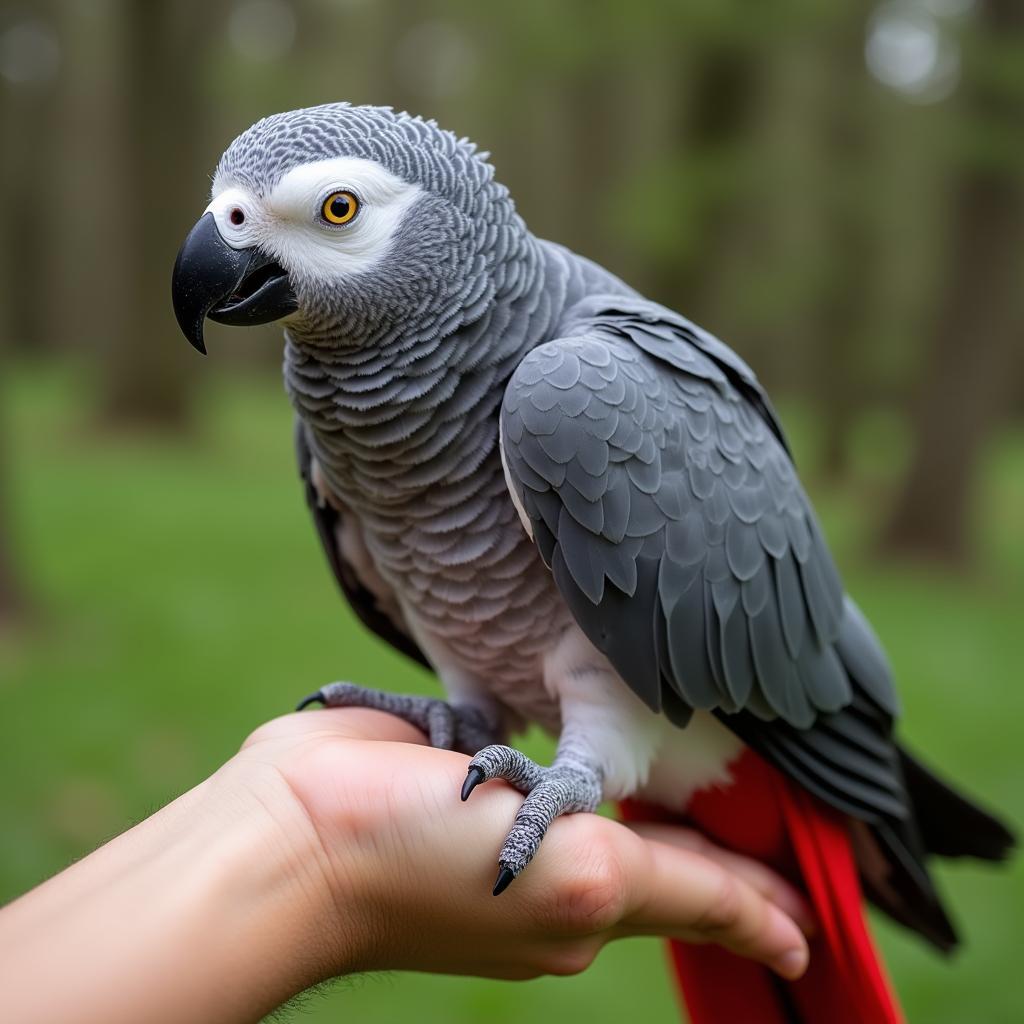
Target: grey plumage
665, 519
699, 485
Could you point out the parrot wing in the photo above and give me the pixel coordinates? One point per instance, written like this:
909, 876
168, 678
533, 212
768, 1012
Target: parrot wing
326, 519
659, 490
655, 479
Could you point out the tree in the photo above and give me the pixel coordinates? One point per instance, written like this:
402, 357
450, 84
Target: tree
162, 46
979, 321
28, 105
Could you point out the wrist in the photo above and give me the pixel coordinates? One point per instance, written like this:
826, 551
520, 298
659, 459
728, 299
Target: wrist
216, 901
314, 791
279, 854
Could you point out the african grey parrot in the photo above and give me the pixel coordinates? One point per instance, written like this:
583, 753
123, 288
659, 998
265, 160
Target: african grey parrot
579, 509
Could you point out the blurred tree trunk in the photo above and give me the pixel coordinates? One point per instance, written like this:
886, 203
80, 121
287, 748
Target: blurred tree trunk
594, 101
841, 321
158, 168
28, 225
719, 114
24, 263
838, 389
967, 378
28, 213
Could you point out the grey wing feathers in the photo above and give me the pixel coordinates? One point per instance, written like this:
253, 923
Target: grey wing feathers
661, 330
663, 498
363, 602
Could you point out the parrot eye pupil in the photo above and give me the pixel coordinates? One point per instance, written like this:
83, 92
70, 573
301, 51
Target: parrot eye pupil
237, 216
339, 207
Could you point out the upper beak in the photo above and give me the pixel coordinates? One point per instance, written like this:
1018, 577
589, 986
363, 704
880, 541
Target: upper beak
231, 286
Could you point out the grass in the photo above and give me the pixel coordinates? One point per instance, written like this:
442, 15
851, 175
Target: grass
183, 600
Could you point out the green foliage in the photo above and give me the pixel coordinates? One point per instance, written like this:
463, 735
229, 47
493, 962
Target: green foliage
184, 600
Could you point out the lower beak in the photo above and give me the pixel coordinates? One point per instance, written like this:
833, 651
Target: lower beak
232, 286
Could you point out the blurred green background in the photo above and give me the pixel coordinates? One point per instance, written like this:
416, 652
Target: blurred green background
836, 188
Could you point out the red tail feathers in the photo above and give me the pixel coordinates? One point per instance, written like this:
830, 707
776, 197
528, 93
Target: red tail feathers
764, 815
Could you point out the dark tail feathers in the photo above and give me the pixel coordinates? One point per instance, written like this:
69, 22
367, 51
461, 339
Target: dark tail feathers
950, 825
943, 823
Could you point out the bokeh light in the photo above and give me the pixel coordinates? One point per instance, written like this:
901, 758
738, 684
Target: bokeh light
29, 53
910, 50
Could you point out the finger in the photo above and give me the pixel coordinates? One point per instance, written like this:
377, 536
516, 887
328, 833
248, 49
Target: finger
681, 894
344, 723
766, 881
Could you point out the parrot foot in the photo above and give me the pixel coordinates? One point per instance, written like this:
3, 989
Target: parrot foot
566, 787
462, 727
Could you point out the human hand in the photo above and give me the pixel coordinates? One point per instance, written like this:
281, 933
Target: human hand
402, 867
335, 842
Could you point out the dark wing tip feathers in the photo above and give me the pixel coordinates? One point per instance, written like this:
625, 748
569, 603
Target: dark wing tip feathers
951, 824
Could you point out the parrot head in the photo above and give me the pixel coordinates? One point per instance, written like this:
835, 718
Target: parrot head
345, 222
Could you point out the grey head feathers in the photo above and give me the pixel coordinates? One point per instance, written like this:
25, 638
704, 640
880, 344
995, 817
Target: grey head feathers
415, 149
457, 245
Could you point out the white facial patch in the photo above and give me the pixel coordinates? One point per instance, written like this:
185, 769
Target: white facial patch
239, 217
289, 224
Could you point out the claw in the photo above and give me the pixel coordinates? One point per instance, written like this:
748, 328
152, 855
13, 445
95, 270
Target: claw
473, 779
505, 879
313, 698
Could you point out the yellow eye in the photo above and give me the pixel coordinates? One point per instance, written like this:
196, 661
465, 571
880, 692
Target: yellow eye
339, 207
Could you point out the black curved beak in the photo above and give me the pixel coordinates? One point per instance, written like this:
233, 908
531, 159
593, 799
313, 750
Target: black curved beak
232, 286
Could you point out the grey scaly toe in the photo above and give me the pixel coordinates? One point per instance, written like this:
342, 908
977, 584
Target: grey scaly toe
461, 727
571, 784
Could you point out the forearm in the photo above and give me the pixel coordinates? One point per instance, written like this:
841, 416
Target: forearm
211, 910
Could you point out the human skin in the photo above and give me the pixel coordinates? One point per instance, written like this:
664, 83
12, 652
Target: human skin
334, 842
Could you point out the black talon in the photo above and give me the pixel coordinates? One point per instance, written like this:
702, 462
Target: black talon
313, 698
505, 878
473, 779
